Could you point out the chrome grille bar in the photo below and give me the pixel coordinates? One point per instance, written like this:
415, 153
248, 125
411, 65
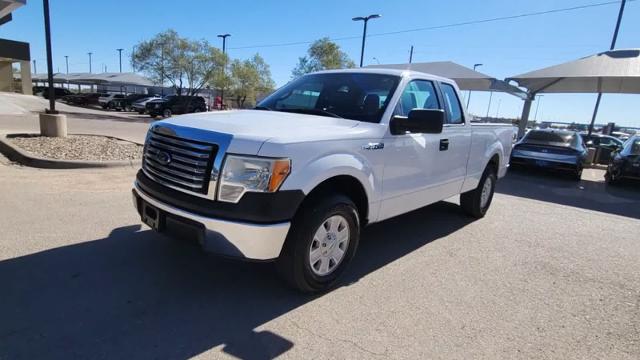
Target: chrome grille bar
179, 163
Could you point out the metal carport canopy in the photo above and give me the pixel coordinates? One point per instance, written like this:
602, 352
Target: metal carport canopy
466, 78
615, 71
97, 79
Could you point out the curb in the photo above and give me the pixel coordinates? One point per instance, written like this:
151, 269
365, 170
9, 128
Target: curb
20, 156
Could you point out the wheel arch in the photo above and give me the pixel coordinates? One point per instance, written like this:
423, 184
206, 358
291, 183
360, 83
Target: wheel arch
346, 185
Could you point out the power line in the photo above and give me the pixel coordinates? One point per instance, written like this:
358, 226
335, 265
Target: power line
444, 26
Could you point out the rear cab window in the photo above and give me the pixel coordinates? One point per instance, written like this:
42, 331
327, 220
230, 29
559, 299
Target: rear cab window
452, 104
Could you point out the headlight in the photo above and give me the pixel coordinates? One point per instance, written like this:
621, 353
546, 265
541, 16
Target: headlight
242, 173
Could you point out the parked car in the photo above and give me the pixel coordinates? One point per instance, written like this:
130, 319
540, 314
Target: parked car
141, 105
295, 180
105, 101
83, 99
605, 144
549, 149
126, 103
176, 104
625, 164
59, 93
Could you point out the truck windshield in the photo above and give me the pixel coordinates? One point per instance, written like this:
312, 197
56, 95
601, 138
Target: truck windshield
355, 96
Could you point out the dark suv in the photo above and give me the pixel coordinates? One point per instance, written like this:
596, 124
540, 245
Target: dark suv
174, 104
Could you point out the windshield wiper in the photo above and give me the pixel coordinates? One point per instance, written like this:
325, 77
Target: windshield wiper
262, 108
312, 112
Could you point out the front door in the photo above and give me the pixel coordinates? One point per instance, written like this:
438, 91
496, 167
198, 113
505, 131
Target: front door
411, 159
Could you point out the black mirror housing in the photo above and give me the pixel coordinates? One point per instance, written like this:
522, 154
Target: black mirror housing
419, 121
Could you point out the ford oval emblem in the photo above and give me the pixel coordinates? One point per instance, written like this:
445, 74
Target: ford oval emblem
163, 158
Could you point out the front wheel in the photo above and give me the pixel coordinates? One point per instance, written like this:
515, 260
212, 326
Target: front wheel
477, 201
322, 240
166, 113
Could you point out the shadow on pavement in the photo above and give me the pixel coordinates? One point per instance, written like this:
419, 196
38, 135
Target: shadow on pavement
136, 294
623, 199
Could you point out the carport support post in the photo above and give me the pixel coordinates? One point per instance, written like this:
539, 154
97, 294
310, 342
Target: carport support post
524, 118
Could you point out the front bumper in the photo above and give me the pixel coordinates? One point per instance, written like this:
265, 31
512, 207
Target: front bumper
223, 237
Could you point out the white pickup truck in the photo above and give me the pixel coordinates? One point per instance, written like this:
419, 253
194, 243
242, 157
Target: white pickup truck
295, 179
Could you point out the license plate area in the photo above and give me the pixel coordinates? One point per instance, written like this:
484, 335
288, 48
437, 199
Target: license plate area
152, 216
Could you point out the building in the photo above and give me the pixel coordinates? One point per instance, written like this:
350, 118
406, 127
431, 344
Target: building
14, 55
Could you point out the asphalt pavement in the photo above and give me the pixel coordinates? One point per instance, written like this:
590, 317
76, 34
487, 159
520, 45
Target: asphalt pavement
551, 272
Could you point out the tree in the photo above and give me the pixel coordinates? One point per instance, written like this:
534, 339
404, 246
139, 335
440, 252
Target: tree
188, 65
250, 78
323, 54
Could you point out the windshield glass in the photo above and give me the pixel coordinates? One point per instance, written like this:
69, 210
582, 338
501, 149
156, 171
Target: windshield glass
552, 138
632, 147
355, 96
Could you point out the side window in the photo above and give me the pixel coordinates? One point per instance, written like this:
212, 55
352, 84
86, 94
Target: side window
418, 94
452, 104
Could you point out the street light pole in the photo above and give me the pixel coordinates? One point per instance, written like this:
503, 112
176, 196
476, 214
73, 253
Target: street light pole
224, 52
47, 34
535, 117
489, 106
469, 96
66, 60
365, 20
35, 69
613, 45
89, 53
120, 56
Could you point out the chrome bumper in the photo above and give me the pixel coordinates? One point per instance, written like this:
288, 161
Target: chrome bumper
251, 241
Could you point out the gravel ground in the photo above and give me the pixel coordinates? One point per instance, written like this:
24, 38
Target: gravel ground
79, 147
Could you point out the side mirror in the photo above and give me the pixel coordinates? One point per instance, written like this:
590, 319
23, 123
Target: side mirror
419, 121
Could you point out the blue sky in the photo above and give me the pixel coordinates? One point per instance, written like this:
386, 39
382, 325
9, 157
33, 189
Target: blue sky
505, 48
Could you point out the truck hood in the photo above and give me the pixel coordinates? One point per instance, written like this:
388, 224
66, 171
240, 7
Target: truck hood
258, 126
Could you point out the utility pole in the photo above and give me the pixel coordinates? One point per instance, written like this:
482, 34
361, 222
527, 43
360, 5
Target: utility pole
224, 70
120, 56
365, 20
613, 45
469, 95
411, 54
66, 60
35, 69
89, 53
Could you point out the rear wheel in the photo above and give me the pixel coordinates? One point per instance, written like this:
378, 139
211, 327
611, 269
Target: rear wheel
477, 201
322, 240
166, 113
611, 178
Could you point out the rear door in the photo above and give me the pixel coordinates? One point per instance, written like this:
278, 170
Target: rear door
455, 143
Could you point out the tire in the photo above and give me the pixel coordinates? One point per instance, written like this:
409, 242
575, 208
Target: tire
166, 113
472, 202
611, 179
577, 175
303, 263
141, 112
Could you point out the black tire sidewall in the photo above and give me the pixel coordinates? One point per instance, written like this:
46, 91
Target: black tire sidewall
303, 231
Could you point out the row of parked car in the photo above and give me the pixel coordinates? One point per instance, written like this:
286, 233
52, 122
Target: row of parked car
567, 151
153, 105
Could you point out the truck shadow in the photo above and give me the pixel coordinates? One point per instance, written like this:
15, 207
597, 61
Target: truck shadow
587, 194
136, 294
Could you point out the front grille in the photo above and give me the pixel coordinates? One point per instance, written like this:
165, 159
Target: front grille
179, 163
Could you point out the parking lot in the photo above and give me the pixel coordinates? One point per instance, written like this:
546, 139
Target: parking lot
551, 272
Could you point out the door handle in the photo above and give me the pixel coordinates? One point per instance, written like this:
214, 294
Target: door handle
444, 144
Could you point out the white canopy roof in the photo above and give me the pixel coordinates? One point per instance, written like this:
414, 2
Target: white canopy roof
466, 78
97, 79
616, 71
